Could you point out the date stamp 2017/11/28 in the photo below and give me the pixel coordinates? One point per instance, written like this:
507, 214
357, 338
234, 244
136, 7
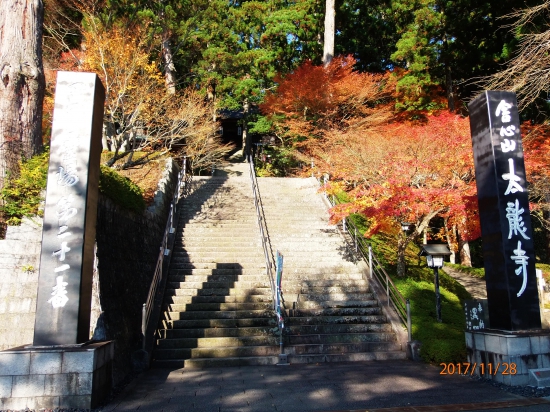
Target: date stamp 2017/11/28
467, 368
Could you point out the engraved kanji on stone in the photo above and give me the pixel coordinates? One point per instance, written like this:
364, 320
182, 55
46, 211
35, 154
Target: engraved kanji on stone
513, 179
59, 295
515, 220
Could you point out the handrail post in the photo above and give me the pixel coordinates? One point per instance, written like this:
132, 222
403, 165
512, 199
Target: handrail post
370, 261
409, 326
144, 324
355, 239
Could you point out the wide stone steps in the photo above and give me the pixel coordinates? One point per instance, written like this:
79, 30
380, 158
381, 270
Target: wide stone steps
218, 303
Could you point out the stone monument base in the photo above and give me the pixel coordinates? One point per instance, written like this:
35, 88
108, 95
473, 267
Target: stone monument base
507, 357
68, 376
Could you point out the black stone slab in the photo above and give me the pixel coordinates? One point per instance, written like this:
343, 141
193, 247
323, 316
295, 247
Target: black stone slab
66, 261
507, 236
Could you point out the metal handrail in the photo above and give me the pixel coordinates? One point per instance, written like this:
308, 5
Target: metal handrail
376, 270
266, 241
182, 189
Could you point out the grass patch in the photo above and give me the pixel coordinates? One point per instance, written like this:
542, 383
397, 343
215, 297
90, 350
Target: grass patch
441, 342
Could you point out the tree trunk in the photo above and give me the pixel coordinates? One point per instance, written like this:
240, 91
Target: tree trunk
328, 48
22, 82
169, 68
465, 256
246, 138
402, 243
448, 235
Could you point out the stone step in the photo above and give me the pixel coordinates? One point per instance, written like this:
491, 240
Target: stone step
324, 297
217, 292
220, 285
274, 350
219, 307
348, 357
337, 328
327, 320
369, 301
187, 299
289, 286
221, 314
364, 311
217, 342
298, 249
266, 331
219, 323
201, 275
200, 363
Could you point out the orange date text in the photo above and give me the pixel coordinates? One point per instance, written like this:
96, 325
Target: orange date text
467, 368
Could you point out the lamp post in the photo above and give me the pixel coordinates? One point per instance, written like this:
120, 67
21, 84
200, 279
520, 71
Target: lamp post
435, 255
401, 247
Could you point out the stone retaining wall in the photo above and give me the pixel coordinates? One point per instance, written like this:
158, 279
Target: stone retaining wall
19, 263
127, 251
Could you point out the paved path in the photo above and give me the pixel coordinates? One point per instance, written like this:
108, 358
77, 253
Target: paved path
359, 386
475, 286
235, 165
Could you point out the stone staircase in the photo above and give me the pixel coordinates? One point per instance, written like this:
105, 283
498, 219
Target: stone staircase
218, 306
334, 316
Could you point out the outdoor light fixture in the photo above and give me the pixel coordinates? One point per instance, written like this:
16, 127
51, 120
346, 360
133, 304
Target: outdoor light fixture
405, 226
435, 255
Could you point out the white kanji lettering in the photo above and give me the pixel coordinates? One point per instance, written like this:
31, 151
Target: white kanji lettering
520, 259
508, 131
515, 221
513, 180
508, 145
59, 295
61, 252
62, 268
64, 210
503, 111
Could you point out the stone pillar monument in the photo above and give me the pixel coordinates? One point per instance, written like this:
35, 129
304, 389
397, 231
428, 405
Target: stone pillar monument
515, 339
508, 248
62, 369
66, 261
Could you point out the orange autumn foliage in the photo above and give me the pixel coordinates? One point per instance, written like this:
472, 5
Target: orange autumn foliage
314, 100
414, 172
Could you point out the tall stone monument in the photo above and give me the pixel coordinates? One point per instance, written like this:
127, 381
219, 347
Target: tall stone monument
66, 261
514, 340
507, 236
62, 369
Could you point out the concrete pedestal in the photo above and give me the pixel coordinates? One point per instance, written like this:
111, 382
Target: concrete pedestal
71, 376
507, 357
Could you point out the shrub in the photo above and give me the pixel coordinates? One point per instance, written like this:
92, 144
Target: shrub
22, 194
121, 190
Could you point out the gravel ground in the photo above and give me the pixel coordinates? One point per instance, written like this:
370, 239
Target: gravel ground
526, 391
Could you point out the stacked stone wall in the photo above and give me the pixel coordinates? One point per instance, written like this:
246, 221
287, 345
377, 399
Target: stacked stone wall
19, 263
127, 249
